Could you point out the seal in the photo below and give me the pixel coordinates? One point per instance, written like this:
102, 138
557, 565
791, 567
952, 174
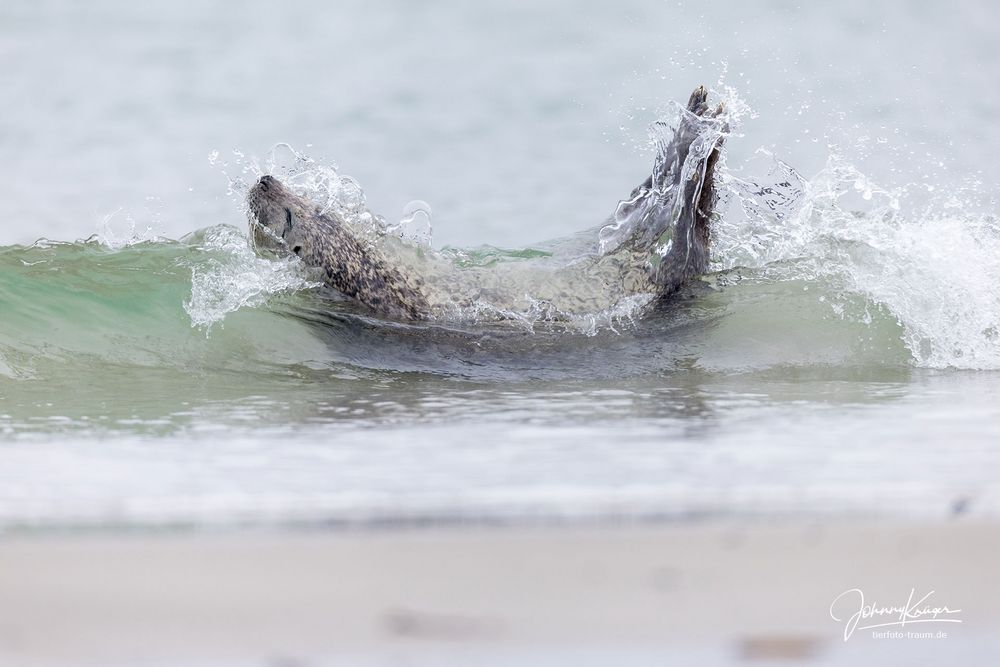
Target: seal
657, 239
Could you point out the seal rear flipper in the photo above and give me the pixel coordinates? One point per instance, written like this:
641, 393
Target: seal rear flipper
685, 252
641, 220
670, 156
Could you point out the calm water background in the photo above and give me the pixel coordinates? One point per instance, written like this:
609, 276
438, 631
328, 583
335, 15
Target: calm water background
515, 122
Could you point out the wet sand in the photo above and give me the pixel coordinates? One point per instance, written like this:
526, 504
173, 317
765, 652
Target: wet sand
715, 593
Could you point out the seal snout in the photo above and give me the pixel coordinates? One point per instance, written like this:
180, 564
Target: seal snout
267, 182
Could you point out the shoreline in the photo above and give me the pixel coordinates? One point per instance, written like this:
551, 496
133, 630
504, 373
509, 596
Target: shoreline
721, 592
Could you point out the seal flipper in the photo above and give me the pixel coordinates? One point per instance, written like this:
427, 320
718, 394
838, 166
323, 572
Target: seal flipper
649, 214
670, 157
687, 247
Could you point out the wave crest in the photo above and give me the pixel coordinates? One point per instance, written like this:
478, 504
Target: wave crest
933, 270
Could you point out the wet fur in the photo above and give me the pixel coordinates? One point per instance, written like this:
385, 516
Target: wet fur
282, 221
349, 264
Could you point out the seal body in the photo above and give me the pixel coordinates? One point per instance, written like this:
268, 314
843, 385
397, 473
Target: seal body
657, 239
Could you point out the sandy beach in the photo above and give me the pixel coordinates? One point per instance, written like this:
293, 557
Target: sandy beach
711, 593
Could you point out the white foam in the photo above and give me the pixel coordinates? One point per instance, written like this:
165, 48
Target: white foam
936, 272
621, 315
235, 277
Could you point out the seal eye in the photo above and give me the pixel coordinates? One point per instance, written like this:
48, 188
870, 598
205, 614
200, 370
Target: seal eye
297, 250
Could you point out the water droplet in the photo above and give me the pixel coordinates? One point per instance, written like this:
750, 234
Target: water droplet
416, 206
416, 223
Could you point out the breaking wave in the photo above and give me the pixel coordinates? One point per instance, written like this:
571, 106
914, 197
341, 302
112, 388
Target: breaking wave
831, 271
933, 271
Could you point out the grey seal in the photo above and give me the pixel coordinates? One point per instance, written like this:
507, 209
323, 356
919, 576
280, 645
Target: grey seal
657, 239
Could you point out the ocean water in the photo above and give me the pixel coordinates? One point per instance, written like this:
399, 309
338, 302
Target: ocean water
842, 355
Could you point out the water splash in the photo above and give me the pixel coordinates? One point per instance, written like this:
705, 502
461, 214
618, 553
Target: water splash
415, 225
321, 183
630, 214
115, 234
235, 277
931, 269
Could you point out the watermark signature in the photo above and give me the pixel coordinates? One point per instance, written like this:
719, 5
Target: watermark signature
851, 608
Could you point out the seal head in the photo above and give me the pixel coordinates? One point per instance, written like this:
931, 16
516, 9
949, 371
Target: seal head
282, 221
275, 215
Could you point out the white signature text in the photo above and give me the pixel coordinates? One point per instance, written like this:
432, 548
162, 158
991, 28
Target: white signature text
851, 608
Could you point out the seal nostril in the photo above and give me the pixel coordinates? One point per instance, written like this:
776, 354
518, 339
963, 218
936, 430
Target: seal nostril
297, 250
265, 182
